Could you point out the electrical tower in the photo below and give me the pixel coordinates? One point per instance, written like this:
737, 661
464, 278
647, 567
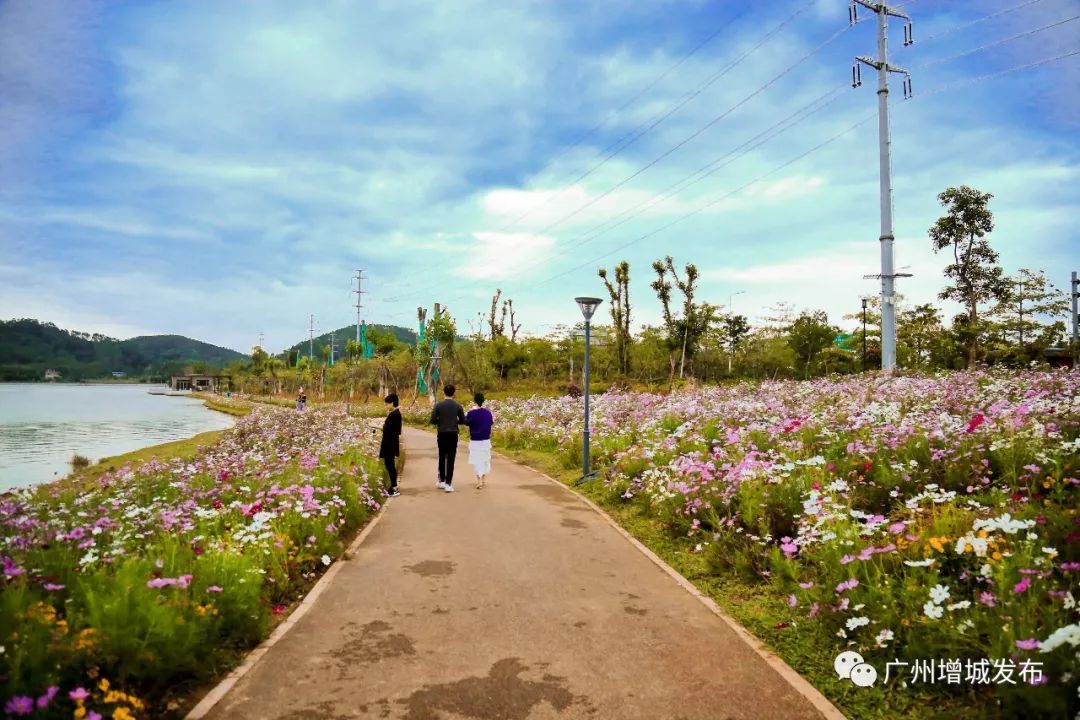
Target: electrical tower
311, 339
881, 64
1074, 293
261, 339
360, 292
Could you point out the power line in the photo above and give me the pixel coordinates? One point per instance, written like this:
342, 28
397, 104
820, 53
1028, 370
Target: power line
647, 126
976, 21
996, 43
819, 146
697, 132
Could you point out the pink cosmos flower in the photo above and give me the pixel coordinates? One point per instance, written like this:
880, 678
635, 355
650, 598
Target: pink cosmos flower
183, 581
1070, 566
50, 693
847, 585
79, 694
53, 586
792, 601
806, 585
93, 715
1022, 586
214, 589
788, 546
897, 528
19, 705
1029, 644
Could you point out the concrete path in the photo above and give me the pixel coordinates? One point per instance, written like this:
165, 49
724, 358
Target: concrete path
518, 602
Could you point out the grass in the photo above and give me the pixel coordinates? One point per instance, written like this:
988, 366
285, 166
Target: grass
807, 648
184, 449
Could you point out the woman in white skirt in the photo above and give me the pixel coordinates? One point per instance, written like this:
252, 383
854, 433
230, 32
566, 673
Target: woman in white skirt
479, 420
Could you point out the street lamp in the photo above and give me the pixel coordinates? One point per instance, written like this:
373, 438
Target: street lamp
588, 306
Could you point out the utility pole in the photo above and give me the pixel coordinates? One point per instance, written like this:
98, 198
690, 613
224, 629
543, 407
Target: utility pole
1073, 295
864, 334
311, 339
261, 337
881, 64
333, 341
359, 291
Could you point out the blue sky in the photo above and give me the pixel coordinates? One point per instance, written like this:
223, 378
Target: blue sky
220, 169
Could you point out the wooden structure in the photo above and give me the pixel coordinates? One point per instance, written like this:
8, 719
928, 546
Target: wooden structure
200, 383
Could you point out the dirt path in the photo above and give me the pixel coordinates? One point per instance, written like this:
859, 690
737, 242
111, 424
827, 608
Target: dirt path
518, 602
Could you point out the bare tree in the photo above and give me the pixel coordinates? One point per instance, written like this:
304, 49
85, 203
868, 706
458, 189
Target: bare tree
620, 311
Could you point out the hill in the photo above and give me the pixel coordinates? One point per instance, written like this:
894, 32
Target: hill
344, 334
30, 347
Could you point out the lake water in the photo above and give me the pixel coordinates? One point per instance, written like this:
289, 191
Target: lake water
43, 425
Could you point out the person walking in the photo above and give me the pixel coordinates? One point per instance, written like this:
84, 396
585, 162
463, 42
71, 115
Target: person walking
479, 420
390, 445
447, 415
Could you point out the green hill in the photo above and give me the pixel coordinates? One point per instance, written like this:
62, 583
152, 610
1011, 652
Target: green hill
29, 347
343, 335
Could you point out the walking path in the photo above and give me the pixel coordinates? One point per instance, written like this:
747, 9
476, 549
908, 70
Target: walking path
518, 602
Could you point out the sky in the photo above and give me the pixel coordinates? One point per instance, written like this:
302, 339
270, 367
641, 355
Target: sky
221, 169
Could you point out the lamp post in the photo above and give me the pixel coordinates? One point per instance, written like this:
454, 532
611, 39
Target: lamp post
864, 333
588, 306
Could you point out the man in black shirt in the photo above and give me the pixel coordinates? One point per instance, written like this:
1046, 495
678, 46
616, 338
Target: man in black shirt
447, 415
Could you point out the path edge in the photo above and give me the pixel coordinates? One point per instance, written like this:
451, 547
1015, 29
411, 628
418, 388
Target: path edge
798, 683
219, 691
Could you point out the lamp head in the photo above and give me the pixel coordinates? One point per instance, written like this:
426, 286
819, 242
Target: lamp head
588, 306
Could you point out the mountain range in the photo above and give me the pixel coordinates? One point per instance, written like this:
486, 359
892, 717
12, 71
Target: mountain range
28, 348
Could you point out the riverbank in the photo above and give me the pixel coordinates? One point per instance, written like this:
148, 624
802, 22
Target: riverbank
135, 586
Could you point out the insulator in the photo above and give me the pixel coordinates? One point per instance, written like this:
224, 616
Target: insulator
909, 34
854, 75
858, 74
853, 13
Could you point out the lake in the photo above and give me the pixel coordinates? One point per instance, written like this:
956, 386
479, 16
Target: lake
43, 425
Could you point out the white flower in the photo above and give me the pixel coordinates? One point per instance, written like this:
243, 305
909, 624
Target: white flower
962, 605
1069, 602
939, 594
884, 637
857, 622
919, 563
1052, 552
1069, 634
325, 559
986, 570
932, 611
978, 545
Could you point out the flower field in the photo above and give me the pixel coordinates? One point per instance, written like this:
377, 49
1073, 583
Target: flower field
914, 519
118, 594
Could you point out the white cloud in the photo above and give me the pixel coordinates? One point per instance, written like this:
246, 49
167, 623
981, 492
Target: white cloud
494, 255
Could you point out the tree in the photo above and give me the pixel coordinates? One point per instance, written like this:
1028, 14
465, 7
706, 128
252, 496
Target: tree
1028, 296
976, 276
735, 328
809, 335
685, 332
920, 336
620, 311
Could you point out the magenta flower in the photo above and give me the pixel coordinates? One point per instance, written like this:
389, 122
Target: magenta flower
792, 601
50, 693
214, 589
79, 694
847, 585
1022, 586
92, 715
1029, 644
53, 586
987, 599
788, 546
183, 581
806, 585
1070, 566
19, 705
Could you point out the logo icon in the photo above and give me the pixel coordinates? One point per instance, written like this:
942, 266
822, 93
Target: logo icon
849, 665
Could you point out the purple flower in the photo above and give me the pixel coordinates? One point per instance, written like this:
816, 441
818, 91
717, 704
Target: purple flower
19, 705
53, 586
792, 601
92, 715
847, 585
157, 583
1029, 644
1070, 566
788, 546
79, 694
50, 693
214, 589
806, 585
183, 581
1022, 586
987, 599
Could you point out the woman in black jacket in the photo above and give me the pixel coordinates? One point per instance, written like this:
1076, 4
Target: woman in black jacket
390, 446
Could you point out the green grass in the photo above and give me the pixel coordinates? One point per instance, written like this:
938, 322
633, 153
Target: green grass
184, 449
806, 647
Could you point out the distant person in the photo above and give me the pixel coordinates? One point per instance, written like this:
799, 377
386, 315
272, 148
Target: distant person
300, 399
479, 420
447, 415
390, 446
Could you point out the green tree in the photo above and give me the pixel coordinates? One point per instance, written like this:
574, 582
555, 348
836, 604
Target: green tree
920, 337
976, 276
809, 335
735, 328
684, 332
620, 312
1028, 308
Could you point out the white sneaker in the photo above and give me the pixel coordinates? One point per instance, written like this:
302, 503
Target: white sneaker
448, 488
441, 485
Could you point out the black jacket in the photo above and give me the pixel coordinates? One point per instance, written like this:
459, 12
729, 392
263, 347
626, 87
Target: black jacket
448, 414
391, 435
